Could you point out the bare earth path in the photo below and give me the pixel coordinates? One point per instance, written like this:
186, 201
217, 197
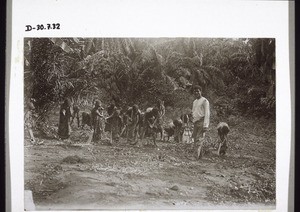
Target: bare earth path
85, 176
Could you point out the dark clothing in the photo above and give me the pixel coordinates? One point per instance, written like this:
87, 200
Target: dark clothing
149, 125
86, 119
114, 125
170, 131
64, 122
110, 110
198, 133
178, 130
185, 118
199, 138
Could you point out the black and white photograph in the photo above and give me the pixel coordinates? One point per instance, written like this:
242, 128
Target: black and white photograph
149, 123
138, 105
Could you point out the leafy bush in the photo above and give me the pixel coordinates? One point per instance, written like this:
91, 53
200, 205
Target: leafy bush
141, 70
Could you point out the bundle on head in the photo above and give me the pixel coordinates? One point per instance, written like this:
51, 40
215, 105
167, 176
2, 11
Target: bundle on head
223, 130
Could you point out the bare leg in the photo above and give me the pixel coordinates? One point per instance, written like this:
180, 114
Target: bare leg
154, 139
200, 146
32, 139
111, 136
219, 148
136, 136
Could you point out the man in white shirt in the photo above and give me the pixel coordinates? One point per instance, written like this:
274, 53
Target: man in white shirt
201, 114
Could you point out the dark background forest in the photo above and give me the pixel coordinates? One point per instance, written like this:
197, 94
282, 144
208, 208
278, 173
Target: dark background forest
237, 75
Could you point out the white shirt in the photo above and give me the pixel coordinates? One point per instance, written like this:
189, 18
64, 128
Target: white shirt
200, 110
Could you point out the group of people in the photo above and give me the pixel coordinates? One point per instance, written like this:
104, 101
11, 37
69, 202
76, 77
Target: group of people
134, 124
66, 117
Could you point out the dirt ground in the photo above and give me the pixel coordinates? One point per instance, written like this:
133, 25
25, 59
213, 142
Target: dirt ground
79, 175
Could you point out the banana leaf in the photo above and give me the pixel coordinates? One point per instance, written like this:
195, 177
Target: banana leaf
59, 42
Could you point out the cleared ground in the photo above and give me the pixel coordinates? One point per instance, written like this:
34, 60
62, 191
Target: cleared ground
78, 175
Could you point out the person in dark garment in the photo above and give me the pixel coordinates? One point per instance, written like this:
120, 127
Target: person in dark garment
64, 120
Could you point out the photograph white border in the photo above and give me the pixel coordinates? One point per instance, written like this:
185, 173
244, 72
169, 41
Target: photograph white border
150, 18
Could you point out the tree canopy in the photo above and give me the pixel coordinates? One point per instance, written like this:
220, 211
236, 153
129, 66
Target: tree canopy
238, 74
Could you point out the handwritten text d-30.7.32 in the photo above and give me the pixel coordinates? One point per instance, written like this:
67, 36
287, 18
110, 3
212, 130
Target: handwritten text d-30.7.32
54, 26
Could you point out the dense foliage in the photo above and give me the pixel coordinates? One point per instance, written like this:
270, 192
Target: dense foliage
237, 75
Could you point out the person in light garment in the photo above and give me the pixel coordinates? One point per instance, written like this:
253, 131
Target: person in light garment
201, 115
29, 119
75, 114
97, 122
133, 119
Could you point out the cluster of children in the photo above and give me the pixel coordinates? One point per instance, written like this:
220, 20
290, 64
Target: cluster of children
134, 124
